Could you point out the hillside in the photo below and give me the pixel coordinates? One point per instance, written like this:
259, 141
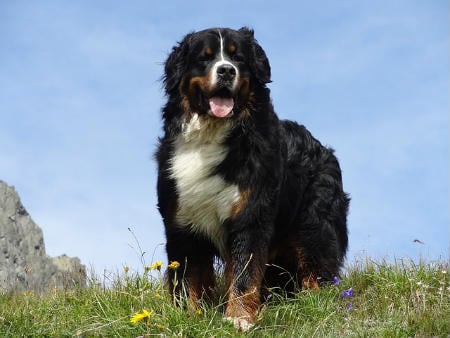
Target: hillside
373, 299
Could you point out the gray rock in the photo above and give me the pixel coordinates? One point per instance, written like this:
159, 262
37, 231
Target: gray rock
24, 265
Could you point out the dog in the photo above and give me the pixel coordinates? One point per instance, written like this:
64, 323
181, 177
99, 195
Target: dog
236, 183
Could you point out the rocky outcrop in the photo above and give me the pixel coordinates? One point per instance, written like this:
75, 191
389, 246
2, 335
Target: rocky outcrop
24, 265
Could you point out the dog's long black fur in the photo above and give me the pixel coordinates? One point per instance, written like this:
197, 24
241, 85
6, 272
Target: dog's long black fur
277, 211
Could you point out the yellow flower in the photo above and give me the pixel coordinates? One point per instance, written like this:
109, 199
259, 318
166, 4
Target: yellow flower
174, 265
126, 268
144, 314
199, 311
156, 266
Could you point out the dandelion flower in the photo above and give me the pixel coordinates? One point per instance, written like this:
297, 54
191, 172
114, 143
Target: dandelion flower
199, 311
156, 266
126, 269
144, 314
174, 265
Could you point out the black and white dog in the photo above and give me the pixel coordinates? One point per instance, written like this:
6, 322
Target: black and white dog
237, 183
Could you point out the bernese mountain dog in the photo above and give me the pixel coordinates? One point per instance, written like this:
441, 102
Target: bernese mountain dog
238, 184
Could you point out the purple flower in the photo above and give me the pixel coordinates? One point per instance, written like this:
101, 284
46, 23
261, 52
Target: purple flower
350, 306
336, 280
347, 293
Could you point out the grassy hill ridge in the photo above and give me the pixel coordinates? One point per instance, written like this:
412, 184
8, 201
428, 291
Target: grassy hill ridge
372, 299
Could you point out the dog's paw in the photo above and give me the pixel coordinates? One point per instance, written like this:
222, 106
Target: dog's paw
241, 324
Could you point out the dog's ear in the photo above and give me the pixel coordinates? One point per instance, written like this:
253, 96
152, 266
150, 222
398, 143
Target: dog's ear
175, 64
260, 67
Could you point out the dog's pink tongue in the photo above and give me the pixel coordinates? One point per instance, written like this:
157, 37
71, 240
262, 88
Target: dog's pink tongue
221, 107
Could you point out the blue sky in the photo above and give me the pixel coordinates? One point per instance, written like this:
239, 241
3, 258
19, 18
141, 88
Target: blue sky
80, 102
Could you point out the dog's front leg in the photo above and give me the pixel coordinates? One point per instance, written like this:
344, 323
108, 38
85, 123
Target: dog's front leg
193, 278
244, 272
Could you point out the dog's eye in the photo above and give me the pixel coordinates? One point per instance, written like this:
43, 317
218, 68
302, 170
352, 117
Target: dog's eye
203, 58
237, 57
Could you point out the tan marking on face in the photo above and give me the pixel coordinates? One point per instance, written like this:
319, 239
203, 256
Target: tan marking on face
202, 82
231, 49
244, 87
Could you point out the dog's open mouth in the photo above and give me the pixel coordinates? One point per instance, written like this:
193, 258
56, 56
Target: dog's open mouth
221, 103
221, 106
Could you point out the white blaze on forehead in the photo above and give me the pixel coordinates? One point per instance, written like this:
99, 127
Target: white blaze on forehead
221, 46
222, 61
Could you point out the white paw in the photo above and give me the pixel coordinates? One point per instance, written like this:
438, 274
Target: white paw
241, 324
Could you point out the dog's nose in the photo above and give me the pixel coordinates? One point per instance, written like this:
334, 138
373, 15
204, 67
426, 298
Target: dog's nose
226, 72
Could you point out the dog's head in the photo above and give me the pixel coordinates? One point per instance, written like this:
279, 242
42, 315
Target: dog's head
216, 71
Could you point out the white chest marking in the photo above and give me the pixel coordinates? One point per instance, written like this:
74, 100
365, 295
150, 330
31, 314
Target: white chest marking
204, 200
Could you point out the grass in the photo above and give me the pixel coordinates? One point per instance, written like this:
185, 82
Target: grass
403, 299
